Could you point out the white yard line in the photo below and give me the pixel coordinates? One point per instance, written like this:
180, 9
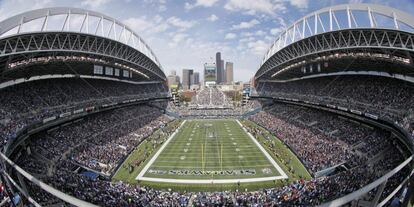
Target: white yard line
211, 181
278, 168
144, 170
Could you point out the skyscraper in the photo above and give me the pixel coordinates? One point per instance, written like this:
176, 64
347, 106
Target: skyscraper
223, 73
186, 82
196, 79
219, 68
229, 72
173, 78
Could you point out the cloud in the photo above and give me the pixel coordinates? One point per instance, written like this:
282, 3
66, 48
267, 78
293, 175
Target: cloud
302, 4
276, 31
9, 8
256, 6
159, 5
230, 36
260, 33
258, 47
162, 8
177, 38
247, 39
157, 24
246, 25
183, 24
212, 18
146, 25
200, 3
355, 1
94, 3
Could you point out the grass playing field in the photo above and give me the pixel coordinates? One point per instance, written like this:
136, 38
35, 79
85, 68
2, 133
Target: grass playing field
203, 150
211, 149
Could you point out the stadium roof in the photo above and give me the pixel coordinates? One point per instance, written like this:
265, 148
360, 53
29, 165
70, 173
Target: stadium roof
43, 29
333, 22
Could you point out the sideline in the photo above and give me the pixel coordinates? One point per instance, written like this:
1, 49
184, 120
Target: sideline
148, 165
212, 181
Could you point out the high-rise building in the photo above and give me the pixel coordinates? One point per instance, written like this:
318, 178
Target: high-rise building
186, 79
223, 73
219, 68
196, 78
229, 72
173, 79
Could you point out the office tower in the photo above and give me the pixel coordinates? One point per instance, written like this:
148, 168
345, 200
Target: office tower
223, 73
196, 78
186, 79
229, 72
173, 78
219, 68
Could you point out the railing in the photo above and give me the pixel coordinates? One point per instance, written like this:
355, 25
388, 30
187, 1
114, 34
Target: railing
357, 194
65, 197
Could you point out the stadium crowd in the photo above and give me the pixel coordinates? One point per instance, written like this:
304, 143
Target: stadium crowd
389, 98
211, 102
282, 120
325, 140
20, 107
101, 141
210, 97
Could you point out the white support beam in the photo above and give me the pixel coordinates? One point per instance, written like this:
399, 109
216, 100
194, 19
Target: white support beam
303, 28
336, 21
110, 30
330, 20
45, 21
20, 25
87, 23
394, 17
348, 15
102, 27
353, 18
371, 21
115, 34
69, 15
97, 26
64, 23
358, 193
320, 21
83, 23
59, 194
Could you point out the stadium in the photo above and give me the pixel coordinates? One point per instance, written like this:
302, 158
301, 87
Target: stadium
87, 117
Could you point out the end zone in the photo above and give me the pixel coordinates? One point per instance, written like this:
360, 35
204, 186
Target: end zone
141, 177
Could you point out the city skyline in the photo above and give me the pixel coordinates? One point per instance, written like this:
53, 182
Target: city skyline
186, 34
196, 77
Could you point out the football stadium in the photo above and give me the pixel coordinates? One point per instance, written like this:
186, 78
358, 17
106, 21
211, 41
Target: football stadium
88, 118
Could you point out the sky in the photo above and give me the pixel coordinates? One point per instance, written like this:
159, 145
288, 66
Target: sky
188, 33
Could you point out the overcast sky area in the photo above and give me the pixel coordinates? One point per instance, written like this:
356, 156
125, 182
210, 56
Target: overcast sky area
188, 33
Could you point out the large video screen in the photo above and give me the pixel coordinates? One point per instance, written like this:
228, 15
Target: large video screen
210, 73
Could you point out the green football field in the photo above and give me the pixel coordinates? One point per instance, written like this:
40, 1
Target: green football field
205, 150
